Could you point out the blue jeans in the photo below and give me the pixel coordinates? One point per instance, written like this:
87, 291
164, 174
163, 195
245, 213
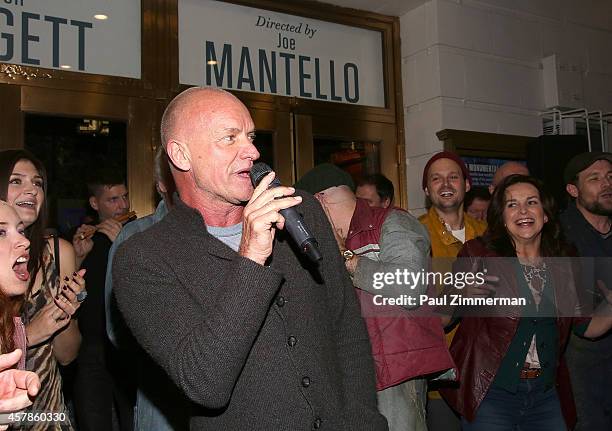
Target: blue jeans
532, 408
590, 369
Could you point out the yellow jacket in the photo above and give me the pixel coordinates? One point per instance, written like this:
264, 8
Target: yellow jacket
444, 244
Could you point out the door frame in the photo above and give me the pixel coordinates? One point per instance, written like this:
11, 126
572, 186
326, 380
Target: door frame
140, 116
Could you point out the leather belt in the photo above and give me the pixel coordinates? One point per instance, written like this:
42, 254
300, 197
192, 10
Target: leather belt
530, 373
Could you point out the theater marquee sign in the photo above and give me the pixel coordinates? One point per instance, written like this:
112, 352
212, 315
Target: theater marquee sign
93, 36
248, 49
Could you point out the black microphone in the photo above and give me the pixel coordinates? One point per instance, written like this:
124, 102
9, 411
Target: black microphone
294, 224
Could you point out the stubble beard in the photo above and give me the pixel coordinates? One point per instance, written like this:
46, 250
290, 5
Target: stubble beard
597, 208
446, 205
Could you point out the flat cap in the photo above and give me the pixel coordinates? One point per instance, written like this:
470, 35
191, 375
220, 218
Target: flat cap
324, 176
582, 161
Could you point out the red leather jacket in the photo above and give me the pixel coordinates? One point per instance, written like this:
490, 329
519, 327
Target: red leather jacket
481, 343
403, 347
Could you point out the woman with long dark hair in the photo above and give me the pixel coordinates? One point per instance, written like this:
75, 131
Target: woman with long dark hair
51, 299
512, 373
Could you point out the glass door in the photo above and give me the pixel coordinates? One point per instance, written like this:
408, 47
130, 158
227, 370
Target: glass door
293, 143
359, 147
274, 141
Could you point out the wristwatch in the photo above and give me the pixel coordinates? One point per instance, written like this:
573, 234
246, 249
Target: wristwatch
348, 255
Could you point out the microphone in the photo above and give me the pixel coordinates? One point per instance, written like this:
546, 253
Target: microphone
294, 224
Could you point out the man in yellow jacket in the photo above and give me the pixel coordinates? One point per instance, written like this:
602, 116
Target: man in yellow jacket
445, 182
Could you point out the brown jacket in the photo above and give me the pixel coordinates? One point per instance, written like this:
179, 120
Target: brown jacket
481, 343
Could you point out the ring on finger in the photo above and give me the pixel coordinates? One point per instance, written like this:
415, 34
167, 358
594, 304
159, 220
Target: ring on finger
81, 296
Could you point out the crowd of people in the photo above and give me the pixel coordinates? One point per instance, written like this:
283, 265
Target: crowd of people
206, 315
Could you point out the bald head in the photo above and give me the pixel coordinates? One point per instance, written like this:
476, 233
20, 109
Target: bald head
189, 109
208, 135
505, 170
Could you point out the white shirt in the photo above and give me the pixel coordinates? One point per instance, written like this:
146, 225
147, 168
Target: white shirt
459, 234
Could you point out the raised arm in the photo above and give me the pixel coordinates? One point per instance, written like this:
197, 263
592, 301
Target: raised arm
67, 342
55, 319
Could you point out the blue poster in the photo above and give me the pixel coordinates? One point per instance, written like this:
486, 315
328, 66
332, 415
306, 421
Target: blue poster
482, 169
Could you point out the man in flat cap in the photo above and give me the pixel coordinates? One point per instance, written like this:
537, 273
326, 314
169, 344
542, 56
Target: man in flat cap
586, 224
377, 240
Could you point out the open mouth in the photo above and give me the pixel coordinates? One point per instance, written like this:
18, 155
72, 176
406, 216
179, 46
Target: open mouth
244, 173
20, 267
525, 222
27, 204
446, 193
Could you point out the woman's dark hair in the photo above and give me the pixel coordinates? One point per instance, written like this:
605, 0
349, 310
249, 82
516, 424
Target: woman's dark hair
36, 231
9, 307
496, 237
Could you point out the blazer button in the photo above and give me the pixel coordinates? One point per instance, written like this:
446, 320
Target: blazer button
317, 423
281, 301
306, 381
292, 341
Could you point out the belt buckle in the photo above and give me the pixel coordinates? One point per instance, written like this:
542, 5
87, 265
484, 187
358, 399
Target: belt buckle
531, 373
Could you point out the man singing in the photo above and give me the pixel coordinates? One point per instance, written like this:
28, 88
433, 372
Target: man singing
216, 292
